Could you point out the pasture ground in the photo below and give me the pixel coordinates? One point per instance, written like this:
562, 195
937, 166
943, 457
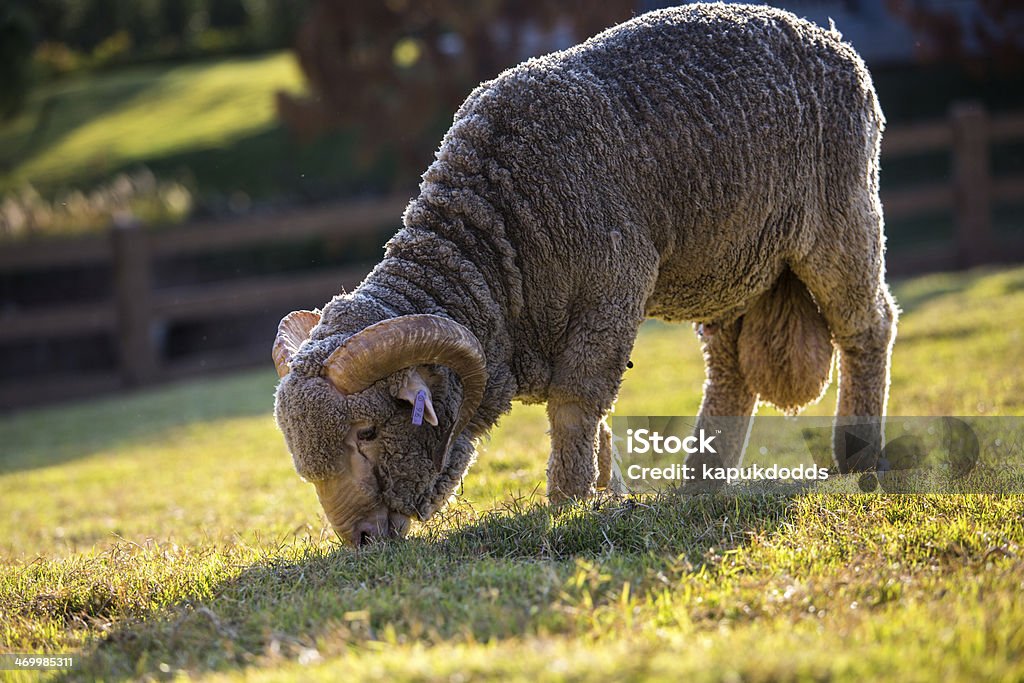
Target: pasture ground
164, 532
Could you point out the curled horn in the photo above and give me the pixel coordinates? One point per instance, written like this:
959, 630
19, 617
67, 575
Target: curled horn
293, 330
392, 345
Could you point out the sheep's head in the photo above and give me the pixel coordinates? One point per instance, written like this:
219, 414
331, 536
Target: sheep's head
375, 419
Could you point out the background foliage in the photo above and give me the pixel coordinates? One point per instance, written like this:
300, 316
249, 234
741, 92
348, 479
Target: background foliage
204, 95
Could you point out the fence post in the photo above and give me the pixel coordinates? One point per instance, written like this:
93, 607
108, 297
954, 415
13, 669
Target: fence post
132, 284
972, 183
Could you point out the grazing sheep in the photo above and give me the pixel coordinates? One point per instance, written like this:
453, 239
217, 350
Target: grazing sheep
708, 163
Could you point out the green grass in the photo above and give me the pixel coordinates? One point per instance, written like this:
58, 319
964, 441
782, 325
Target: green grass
212, 123
165, 532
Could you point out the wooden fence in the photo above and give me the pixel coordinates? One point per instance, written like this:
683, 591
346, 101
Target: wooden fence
969, 135
137, 308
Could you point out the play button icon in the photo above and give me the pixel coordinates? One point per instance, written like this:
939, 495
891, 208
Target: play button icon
858, 453
854, 444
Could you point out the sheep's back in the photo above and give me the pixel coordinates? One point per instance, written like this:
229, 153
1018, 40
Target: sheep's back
715, 129
711, 102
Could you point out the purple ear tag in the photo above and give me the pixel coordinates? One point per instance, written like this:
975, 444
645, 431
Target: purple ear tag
417, 408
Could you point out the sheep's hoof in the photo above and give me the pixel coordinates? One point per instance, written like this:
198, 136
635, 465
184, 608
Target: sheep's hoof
701, 486
558, 500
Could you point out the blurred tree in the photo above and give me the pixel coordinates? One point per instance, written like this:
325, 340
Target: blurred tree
227, 13
986, 35
275, 22
395, 71
84, 33
16, 44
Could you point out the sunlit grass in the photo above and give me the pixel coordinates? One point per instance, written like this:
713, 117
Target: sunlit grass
102, 123
166, 531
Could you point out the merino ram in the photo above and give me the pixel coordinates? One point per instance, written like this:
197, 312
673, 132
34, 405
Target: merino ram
710, 163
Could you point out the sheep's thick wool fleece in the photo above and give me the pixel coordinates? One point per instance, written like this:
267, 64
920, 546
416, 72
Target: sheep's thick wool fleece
670, 167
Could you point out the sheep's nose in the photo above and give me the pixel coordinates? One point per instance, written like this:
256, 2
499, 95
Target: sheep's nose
392, 525
360, 538
365, 533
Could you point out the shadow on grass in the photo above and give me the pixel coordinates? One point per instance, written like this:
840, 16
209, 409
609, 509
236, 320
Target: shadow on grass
265, 164
511, 573
45, 437
980, 284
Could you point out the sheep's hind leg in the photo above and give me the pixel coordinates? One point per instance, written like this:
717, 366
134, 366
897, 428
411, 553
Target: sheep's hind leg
727, 407
850, 291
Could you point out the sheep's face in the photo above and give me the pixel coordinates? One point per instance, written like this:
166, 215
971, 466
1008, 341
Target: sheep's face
373, 468
380, 453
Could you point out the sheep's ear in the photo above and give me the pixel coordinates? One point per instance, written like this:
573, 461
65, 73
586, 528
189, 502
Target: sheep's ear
415, 391
293, 330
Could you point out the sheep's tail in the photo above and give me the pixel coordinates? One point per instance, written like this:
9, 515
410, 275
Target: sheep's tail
785, 346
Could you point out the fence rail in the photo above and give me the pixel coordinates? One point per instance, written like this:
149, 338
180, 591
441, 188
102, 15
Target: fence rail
137, 308
969, 134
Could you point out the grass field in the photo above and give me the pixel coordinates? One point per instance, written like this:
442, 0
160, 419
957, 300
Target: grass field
211, 123
165, 532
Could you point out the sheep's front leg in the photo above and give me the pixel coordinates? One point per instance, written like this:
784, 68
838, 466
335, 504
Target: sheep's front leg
584, 384
573, 467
